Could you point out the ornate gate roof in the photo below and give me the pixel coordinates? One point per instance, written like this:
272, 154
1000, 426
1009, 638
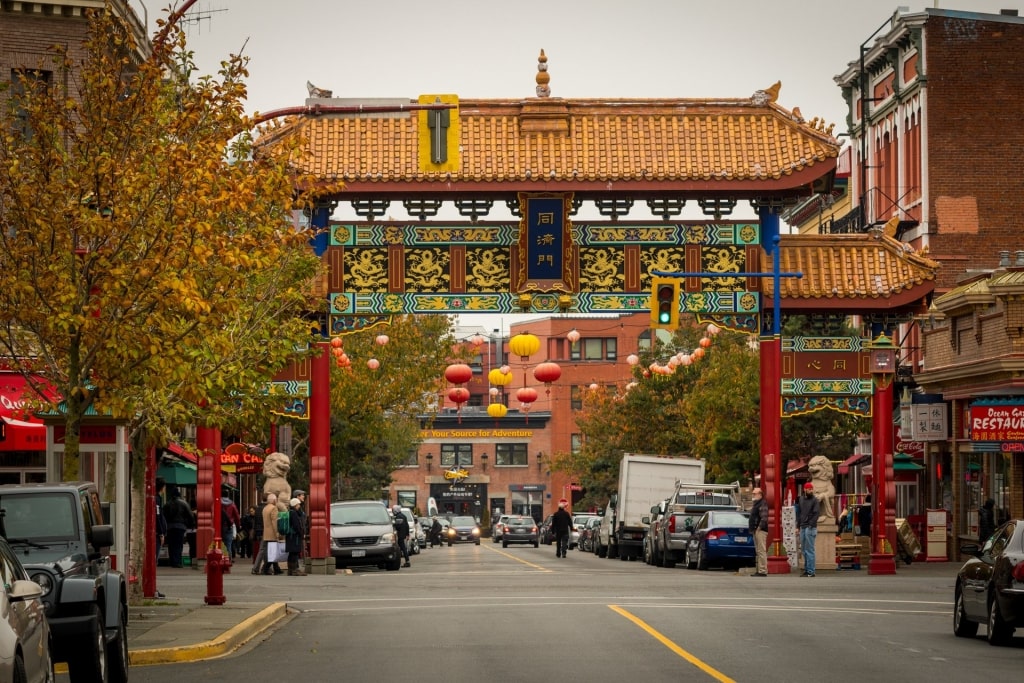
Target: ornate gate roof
744, 147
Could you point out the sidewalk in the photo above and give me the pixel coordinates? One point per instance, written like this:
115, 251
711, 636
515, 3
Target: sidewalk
183, 628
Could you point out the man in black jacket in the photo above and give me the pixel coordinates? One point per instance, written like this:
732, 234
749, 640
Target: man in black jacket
561, 522
402, 532
808, 511
759, 528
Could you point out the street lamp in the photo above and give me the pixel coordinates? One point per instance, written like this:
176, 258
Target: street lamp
882, 364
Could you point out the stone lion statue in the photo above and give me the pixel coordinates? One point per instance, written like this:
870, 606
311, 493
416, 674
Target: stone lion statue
275, 471
820, 469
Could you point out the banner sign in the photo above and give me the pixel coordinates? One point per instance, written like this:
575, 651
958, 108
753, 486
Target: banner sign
997, 422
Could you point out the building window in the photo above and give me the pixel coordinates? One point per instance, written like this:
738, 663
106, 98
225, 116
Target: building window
513, 454
576, 397
456, 455
611, 348
407, 499
577, 443
411, 458
22, 81
575, 349
643, 342
592, 349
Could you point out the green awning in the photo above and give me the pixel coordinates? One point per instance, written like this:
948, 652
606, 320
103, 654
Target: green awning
904, 462
177, 473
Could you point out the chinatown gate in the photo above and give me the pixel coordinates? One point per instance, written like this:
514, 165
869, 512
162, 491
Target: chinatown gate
543, 158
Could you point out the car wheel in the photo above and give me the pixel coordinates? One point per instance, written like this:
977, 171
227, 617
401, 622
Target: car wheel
686, 557
536, 544
668, 559
20, 676
449, 544
90, 664
477, 542
962, 626
50, 675
504, 544
702, 560
117, 650
999, 632
394, 565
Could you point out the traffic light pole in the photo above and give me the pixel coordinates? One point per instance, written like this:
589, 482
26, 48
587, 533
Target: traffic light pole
770, 345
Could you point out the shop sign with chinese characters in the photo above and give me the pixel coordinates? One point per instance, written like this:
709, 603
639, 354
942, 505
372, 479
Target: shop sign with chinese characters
929, 422
1004, 422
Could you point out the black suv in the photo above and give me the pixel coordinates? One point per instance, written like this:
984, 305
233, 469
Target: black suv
58, 532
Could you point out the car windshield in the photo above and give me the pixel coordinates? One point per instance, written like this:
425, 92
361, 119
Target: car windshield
519, 521
359, 514
40, 517
463, 521
729, 519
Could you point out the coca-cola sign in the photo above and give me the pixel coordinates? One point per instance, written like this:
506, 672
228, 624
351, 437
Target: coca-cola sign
997, 422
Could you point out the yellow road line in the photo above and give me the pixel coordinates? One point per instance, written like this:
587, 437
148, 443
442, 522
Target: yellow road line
714, 673
518, 559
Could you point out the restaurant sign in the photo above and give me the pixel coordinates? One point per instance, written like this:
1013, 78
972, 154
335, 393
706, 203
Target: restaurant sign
997, 422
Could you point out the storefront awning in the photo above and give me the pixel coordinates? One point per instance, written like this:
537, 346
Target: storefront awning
22, 431
853, 460
178, 473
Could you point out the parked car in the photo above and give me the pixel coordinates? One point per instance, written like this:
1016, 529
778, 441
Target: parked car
720, 537
498, 527
463, 529
578, 521
545, 532
362, 534
587, 534
519, 529
25, 646
59, 534
990, 586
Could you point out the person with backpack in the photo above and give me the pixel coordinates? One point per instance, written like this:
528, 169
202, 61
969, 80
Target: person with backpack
230, 521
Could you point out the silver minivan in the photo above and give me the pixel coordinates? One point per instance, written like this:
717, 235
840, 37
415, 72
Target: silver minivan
362, 534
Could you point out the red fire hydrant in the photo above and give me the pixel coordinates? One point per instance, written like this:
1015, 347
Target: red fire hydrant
216, 567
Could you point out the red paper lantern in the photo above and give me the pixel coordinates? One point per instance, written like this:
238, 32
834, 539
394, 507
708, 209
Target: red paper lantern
547, 372
458, 373
458, 395
526, 395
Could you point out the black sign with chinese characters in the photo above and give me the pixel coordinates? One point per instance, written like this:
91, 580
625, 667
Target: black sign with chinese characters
545, 243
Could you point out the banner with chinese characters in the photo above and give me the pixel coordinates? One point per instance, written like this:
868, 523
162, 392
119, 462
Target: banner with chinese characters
545, 244
825, 372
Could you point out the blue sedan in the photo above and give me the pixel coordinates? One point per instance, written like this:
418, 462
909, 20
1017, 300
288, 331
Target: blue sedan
720, 537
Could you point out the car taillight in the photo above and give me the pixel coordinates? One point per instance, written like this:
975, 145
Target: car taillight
672, 525
506, 530
533, 530
716, 534
1018, 572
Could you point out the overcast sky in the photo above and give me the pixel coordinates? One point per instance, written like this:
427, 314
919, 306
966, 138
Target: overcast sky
595, 48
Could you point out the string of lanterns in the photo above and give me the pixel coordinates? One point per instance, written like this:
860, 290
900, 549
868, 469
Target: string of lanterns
682, 358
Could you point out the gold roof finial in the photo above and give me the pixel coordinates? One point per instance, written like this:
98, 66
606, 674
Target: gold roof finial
542, 76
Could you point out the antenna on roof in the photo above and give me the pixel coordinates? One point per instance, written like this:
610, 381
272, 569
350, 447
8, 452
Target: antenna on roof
198, 15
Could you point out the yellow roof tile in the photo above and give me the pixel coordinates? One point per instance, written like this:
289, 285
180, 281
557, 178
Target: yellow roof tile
711, 145
879, 272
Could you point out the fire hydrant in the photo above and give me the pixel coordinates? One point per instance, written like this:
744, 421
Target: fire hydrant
217, 566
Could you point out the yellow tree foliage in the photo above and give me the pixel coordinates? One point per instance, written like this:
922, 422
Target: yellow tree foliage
149, 262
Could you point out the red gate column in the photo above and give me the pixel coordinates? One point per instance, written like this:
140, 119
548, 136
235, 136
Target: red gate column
883, 514
320, 463
149, 559
207, 488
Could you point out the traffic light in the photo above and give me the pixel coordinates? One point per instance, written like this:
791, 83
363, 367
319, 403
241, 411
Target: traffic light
664, 303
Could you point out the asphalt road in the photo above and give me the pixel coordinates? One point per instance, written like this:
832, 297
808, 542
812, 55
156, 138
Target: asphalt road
471, 613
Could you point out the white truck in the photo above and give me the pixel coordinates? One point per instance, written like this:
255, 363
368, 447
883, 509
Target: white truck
644, 481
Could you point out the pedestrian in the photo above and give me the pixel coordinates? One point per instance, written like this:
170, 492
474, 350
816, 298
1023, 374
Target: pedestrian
230, 521
192, 535
179, 519
402, 532
294, 537
807, 520
257, 540
301, 495
263, 564
561, 522
243, 541
435, 532
758, 525
986, 520
161, 524
864, 518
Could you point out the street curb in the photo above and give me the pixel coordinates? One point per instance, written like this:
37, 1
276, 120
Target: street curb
223, 644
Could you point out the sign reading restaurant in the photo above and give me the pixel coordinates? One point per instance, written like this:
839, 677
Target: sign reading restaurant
476, 433
1003, 422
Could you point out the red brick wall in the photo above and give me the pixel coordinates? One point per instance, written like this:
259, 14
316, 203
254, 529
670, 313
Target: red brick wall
975, 76
25, 41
